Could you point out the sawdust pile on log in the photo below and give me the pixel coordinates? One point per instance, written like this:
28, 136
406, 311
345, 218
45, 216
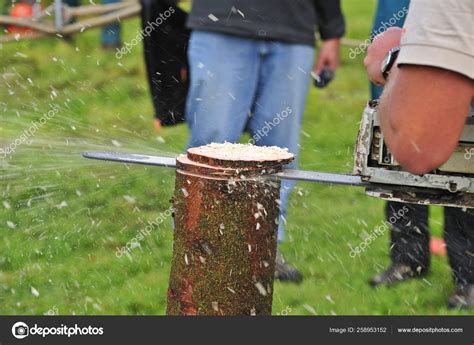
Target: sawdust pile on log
242, 152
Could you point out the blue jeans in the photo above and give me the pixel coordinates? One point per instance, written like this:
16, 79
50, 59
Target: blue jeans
110, 33
387, 10
242, 84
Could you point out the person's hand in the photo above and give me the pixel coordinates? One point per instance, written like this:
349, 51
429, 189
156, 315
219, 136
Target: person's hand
328, 55
377, 51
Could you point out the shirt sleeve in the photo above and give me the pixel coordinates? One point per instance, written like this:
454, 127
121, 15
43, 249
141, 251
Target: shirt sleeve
330, 20
439, 33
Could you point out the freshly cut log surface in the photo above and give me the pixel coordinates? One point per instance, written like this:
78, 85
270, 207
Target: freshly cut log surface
240, 155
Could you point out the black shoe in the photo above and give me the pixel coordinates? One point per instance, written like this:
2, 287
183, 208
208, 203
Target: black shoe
463, 297
285, 272
394, 274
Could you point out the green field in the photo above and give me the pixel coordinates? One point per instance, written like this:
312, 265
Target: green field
62, 217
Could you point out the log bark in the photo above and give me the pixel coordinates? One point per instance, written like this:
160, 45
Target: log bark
226, 220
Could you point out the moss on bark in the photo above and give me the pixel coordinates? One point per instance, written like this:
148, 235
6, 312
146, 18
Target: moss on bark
224, 243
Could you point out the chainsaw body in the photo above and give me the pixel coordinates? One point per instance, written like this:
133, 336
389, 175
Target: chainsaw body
452, 184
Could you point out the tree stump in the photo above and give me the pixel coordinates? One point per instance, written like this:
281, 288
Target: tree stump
226, 220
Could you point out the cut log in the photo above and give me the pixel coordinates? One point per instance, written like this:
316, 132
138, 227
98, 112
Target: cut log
226, 220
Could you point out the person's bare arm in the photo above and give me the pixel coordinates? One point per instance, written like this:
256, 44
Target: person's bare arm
331, 28
423, 111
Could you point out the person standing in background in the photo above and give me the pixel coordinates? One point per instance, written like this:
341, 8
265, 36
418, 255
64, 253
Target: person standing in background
409, 235
250, 64
110, 36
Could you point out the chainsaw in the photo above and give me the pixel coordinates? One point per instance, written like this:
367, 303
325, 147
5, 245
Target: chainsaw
375, 169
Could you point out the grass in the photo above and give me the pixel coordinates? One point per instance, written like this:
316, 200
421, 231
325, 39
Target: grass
62, 217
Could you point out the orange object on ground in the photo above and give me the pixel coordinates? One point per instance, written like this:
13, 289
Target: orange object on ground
20, 10
157, 124
438, 246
